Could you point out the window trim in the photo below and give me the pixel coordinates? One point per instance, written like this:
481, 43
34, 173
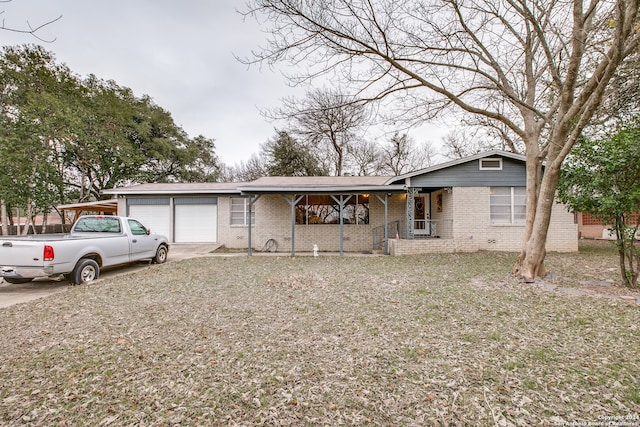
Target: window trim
245, 212
512, 207
490, 168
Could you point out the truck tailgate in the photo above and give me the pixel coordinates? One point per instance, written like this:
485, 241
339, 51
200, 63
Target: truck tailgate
21, 253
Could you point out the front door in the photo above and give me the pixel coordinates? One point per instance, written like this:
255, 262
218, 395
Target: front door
420, 215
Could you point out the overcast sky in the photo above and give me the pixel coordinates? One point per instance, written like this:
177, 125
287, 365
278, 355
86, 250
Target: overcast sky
180, 53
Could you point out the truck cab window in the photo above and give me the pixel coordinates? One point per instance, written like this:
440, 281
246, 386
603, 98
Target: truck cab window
98, 225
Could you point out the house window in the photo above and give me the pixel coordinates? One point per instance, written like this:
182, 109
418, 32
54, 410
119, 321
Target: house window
322, 209
508, 205
491, 164
240, 211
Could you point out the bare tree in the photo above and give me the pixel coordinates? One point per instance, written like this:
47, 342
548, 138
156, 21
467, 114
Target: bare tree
250, 170
538, 67
621, 103
457, 145
325, 119
366, 158
475, 136
402, 155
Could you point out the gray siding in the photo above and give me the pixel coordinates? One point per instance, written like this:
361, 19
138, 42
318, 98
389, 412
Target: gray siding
513, 174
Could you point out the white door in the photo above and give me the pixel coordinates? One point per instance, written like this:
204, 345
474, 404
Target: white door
155, 217
196, 223
420, 216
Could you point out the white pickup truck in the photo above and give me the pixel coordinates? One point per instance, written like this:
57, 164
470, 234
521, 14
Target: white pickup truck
95, 242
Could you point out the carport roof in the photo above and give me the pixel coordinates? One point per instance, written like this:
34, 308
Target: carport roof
319, 184
110, 205
178, 188
104, 206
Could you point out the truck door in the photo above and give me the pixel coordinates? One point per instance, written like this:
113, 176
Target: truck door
143, 244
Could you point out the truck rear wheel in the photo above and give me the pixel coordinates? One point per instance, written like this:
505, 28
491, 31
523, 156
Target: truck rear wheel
161, 255
16, 280
86, 270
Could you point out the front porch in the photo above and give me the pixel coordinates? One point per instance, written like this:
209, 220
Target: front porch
423, 229
427, 226
427, 236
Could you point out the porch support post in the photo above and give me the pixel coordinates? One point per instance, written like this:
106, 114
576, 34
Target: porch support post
293, 200
252, 200
341, 201
386, 221
410, 210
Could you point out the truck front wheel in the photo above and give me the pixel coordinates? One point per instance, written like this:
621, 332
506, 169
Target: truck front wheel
86, 270
161, 255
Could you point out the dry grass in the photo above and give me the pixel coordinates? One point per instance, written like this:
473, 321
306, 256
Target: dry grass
426, 340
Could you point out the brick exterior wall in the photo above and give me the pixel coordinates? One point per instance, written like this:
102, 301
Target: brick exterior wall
273, 221
472, 229
466, 208
463, 212
591, 227
234, 237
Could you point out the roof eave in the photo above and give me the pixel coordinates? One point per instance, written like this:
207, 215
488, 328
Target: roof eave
125, 192
322, 189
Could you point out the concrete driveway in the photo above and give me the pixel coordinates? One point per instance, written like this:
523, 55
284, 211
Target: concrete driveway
15, 294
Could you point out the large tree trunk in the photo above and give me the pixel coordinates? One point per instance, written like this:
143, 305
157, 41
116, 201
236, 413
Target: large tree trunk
530, 262
4, 218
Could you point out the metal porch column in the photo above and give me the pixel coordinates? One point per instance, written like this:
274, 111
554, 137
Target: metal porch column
293, 200
341, 201
386, 221
410, 210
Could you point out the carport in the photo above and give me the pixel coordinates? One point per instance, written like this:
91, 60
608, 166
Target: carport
106, 207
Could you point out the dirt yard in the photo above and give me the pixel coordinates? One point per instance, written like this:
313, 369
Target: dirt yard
426, 340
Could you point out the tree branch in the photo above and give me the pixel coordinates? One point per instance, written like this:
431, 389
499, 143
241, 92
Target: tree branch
30, 30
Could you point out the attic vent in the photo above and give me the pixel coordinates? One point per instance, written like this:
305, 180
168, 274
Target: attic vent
491, 164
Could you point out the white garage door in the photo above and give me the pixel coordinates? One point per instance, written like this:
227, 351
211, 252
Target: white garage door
155, 217
196, 223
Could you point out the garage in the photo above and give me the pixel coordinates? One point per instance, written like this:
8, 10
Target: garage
187, 219
153, 212
196, 219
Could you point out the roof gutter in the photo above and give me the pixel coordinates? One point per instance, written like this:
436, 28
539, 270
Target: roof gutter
319, 189
125, 192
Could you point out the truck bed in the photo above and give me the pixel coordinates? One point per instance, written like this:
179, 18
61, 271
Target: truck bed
54, 237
